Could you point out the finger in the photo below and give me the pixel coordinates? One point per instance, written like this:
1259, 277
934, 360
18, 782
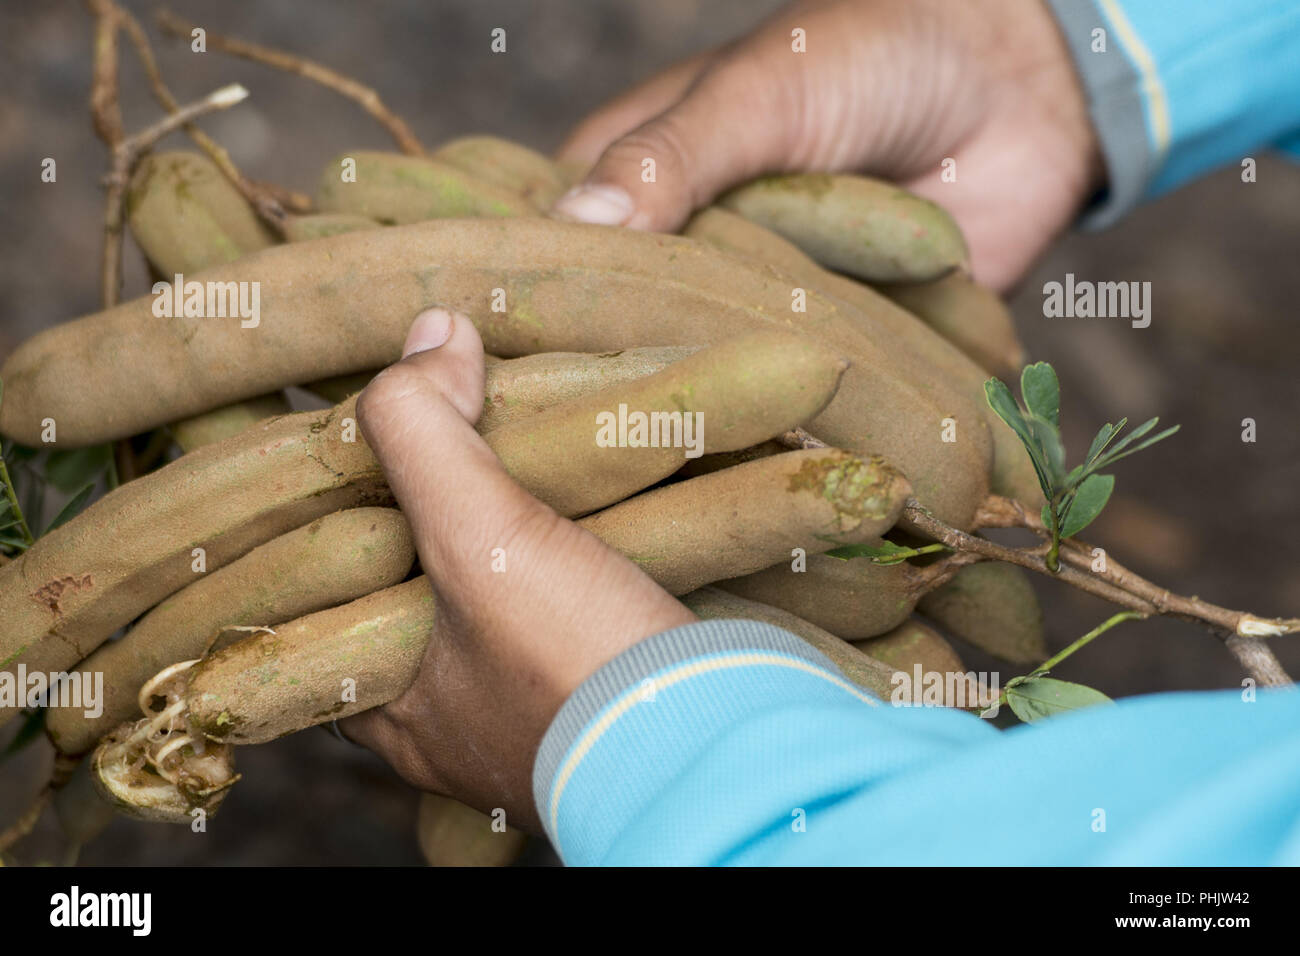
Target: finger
629, 110
731, 125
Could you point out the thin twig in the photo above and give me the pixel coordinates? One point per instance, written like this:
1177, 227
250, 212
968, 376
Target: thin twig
268, 201
360, 94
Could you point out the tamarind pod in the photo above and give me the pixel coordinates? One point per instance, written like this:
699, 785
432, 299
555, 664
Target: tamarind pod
868, 673
993, 606
506, 165
566, 286
268, 685
129, 550
972, 317
919, 351
452, 834
914, 644
852, 599
517, 388
221, 423
121, 778
330, 561
187, 216
392, 189
865, 227
742, 519
731, 395
322, 224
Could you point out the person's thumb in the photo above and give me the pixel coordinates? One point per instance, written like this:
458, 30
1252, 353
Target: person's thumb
725, 130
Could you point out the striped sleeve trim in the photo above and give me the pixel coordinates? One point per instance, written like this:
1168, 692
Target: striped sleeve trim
652, 666
1126, 100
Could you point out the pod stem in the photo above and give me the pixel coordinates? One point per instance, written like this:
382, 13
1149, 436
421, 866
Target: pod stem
1092, 635
1078, 566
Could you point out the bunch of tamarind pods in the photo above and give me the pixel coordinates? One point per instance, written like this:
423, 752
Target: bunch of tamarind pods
836, 304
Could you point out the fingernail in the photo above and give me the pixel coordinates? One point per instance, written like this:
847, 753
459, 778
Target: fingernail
431, 328
598, 205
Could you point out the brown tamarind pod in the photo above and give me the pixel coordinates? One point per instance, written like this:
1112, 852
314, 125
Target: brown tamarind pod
393, 188
731, 395
211, 427
914, 645
868, 673
559, 284
852, 599
867, 228
330, 561
508, 166
993, 606
973, 318
741, 519
452, 834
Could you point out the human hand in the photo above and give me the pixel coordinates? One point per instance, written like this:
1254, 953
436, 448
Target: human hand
889, 87
510, 646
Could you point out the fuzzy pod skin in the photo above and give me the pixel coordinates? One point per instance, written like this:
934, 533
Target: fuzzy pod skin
392, 189
924, 354
335, 559
742, 519
744, 390
508, 166
452, 834
867, 672
517, 388
323, 224
187, 216
221, 423
344, 304
992, 606
853, 599
131, 549
867, 228
973, 318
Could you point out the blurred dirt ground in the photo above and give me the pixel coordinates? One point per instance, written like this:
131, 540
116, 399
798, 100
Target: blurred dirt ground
1203, 512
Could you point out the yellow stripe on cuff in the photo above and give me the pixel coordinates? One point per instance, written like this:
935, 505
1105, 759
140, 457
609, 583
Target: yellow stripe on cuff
1157, 103
680, 673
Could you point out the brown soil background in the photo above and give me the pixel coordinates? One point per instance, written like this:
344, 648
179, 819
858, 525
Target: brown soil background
1202, 513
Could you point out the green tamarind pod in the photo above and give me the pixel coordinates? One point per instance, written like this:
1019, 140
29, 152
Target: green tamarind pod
852, 599
320, 225
973, 318
992, 606
517, 388
506, 165
334, 559
867, 672
452, 834
865, 227
742, 519
392, 189
219, 424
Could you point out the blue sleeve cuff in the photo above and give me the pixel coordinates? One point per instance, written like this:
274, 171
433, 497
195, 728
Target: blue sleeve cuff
1182, 88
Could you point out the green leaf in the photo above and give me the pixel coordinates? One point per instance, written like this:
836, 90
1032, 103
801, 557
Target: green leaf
885, 554
1116, 453
1004, 406
71, 509
1091, 496
1042, 697
33, 727
1042, 392
70, 470
1049, 441
12, 542
1104, 437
